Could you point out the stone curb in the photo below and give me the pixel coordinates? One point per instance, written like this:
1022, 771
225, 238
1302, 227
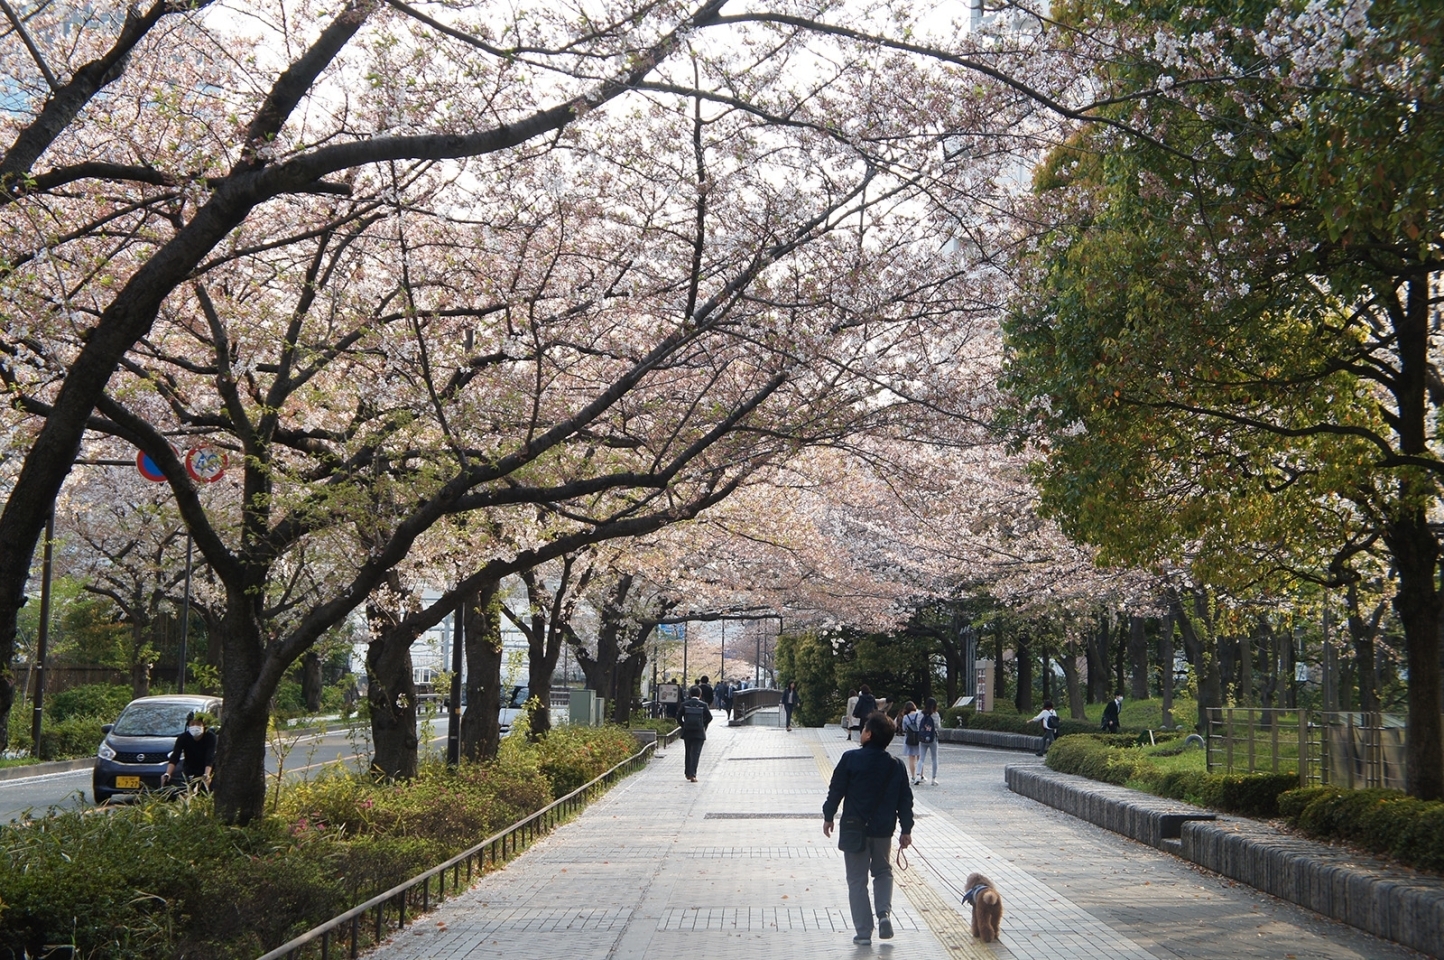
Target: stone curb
1147, 819
41, 769
1371, 895
990, 738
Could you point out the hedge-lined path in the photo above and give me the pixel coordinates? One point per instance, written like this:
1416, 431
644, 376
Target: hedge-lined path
736, 866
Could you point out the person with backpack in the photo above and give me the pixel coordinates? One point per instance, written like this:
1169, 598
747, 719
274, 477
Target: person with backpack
927, 726
1048, 717
694, 716
908, 726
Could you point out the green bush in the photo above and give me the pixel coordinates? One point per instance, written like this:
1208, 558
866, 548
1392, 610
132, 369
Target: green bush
570, 756
1386, 822
157, 879
1094, 758
67, 739
91, 700
954, 717
1115, 758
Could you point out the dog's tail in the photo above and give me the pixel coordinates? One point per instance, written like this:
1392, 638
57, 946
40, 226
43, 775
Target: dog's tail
990, 906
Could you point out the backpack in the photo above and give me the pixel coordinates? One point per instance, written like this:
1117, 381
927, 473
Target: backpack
693, 714
927, 728
1052, 722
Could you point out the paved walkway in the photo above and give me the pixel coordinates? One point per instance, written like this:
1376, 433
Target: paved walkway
736, 866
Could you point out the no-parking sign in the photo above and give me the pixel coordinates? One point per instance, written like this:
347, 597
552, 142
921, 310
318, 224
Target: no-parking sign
148, 468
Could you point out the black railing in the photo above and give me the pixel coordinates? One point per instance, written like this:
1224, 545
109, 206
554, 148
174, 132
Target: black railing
389, 911
747, 702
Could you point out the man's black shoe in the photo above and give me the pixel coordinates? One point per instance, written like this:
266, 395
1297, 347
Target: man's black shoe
884, 927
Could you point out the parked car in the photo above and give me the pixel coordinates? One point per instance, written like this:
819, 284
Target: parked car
511, 706
133, 754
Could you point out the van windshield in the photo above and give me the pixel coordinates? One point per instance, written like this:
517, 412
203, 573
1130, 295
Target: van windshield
153, 720
519, 697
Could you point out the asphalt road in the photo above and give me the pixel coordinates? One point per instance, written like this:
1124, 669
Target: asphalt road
33, 796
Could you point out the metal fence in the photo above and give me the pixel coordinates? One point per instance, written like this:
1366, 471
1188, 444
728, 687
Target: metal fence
347, 934
747, 702
1336, 748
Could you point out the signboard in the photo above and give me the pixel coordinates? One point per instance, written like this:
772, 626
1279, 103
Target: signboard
148, 468
668, 693
205, 463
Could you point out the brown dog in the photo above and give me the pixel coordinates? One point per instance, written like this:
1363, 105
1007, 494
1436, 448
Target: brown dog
987, 907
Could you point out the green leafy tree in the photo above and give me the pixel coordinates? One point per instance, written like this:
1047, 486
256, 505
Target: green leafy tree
1223, 341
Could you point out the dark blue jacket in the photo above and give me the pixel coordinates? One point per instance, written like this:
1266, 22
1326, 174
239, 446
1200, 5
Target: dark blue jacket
870, 778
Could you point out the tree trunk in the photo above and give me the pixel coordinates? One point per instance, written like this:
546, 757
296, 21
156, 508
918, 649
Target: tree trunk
311, 681
1244, 692
1363, 633
1138, 658
1166, 654
1097, 649
391, 697
140, 680
481, 724
1074, 683
1200, 648
1416, 555
240, 778
1000, 678
1023, 655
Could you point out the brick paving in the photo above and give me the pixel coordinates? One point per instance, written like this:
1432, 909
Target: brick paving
736, 865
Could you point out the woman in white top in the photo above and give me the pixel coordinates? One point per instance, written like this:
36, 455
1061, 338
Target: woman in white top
1049, 718
907, 722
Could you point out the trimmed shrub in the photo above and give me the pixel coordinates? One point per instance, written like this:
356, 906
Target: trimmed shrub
1387, 822
1091, 757
1248, 794
91, 700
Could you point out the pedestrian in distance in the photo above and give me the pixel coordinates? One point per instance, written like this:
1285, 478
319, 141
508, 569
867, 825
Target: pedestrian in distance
707, 691
791, 700
1110, 714
871, 786
912, 748
695, 716
865, 706
1048, 717
194, 754
927, 724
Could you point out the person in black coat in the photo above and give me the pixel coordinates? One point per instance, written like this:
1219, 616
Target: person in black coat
1110, 714
694, 717
872, 786
866, 704
791, 700
194, 753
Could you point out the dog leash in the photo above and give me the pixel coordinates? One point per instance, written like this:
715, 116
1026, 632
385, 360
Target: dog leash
936, 872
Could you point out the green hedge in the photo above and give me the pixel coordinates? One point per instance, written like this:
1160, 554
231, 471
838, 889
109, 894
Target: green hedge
61, 740
91, 700
1114, 758
1387, 822
156, 879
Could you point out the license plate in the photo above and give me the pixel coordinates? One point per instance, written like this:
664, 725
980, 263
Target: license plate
127, 783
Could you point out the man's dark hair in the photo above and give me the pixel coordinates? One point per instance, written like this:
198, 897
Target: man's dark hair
696, 691
880, 729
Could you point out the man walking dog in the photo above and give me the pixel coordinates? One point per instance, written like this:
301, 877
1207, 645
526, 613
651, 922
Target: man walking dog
872, 787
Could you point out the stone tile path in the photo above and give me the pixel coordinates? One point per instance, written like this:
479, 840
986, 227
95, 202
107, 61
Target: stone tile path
736, 866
